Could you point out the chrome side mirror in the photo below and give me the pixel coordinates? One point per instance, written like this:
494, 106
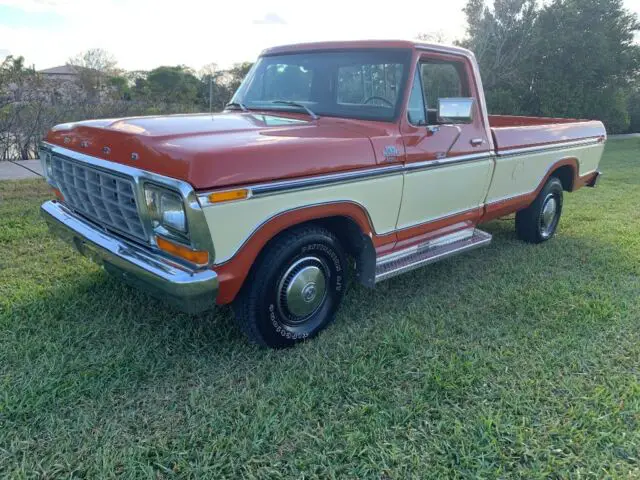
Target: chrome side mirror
455, 110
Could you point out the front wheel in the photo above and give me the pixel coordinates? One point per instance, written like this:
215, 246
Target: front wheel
294, 290
539, 221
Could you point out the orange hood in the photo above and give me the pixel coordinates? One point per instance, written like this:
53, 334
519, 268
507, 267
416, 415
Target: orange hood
220, 150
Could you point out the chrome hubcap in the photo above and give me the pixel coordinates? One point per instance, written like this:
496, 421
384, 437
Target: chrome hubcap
302, 289
548, 215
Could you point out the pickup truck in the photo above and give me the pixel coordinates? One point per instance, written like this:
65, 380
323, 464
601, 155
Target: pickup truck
333, 162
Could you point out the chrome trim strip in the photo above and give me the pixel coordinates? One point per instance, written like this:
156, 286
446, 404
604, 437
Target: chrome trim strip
351, 176
309, 182
344, 177
553, 146
192, 290
427, 164
325, 179
200, 236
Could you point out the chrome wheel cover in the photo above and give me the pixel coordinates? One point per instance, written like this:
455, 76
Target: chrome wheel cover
302, 290
548, 215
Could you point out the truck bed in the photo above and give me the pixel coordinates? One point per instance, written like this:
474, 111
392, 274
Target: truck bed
513, 132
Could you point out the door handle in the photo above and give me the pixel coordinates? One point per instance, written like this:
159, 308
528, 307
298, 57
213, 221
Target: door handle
476, 142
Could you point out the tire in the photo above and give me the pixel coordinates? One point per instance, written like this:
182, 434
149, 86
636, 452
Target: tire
539, 221
294, 289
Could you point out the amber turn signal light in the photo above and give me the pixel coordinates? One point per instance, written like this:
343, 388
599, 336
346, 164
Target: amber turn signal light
229, 195
58, 194
194, 256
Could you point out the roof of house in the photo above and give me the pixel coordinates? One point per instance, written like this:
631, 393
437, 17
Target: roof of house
61, 70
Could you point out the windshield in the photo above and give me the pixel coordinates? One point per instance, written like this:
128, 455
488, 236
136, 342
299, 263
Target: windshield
365, 84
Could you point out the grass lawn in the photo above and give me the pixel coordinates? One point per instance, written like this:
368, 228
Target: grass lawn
510, 361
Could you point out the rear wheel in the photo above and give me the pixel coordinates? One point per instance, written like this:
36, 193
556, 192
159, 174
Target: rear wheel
539, 222
294, 290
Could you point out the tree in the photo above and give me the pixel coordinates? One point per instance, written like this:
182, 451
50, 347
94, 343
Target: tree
94, 67
585, 60
569, 58
173, 84
434, 37
501, 39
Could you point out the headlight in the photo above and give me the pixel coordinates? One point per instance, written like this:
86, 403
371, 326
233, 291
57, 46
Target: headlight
47, 167
165, 208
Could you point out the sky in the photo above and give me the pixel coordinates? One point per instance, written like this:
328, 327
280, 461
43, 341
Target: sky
143, 34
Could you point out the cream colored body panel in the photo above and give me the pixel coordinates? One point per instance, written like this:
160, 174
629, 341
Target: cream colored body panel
521, 174
439, 192
232, 223
401, 199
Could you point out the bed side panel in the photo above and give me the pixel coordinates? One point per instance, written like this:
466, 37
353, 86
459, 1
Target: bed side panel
509, 138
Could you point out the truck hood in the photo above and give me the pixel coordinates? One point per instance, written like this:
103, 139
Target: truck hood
226, 149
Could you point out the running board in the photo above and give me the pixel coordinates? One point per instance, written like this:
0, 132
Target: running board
429, 252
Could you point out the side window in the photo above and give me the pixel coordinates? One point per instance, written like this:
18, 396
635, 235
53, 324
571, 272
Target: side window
416, 111
442, 80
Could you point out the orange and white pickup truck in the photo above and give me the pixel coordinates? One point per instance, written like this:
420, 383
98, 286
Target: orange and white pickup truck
333, 161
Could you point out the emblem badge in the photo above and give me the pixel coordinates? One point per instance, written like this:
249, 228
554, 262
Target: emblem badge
106, 150
391, 153
134, 156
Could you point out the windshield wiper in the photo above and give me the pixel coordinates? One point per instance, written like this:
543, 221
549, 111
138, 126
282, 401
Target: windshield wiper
299, 105
238, 105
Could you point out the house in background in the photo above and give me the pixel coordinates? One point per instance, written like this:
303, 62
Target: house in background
61, 73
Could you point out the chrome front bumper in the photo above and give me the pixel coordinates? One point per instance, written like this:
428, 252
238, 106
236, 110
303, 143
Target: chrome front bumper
191, 291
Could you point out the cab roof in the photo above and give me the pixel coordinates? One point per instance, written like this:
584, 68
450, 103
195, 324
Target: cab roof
365, 44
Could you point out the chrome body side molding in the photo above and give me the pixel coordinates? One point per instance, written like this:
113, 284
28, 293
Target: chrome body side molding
427, 164
261, 189
550, 146
353, 176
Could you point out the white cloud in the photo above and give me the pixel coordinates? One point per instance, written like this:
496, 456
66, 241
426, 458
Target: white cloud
57, 6
270, 18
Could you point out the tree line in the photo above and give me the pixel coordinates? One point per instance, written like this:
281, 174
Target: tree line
564, 58
94, 87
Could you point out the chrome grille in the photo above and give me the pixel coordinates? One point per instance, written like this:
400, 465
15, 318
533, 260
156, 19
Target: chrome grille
102, 197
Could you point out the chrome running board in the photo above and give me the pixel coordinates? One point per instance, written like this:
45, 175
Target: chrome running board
432, 251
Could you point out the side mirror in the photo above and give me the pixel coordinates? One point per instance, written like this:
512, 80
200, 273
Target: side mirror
455, 110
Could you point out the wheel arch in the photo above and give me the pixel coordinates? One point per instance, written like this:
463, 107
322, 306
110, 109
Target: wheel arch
566, 170
349, 221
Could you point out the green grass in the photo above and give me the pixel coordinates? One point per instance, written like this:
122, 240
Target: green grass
511, 361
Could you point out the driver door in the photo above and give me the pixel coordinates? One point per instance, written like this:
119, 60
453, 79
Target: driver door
449, 165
